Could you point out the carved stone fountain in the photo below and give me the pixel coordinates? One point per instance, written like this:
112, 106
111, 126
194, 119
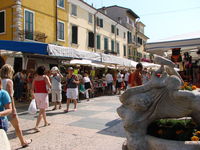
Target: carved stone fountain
160, 98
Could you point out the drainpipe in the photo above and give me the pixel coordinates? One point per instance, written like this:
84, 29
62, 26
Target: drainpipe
116, 36
56, 13
95, 32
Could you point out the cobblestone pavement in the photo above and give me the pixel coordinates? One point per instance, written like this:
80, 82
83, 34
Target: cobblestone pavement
94, 126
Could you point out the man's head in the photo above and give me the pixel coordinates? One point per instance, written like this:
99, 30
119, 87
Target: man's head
70, 70
139, 67
54, 70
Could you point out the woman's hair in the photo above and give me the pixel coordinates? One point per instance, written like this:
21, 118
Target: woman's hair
7, 72
41, 70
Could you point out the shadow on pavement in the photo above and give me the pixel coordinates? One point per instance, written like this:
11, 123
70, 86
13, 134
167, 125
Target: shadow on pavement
115, 128
12, 134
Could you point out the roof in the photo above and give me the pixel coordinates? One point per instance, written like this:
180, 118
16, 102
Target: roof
189, 41
26, 47
127, 9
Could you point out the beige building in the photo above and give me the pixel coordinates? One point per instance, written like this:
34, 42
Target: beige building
136, 37
92, 30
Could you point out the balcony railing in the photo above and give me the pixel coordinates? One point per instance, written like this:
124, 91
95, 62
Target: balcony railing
110, 52
35, 36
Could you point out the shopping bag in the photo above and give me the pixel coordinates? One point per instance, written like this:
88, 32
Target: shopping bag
113, 88
32, 109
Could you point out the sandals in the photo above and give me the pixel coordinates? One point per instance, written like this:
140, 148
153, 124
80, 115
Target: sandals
54, 109
66, 111
27, 144
36, 129
47, 124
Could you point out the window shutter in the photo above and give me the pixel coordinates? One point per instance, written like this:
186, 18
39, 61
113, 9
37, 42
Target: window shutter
91, 39
101, 23
75, 34
2, 22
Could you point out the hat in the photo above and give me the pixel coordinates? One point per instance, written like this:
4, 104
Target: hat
70, 68
54, 69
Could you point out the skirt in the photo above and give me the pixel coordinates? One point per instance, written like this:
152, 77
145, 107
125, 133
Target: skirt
42, 100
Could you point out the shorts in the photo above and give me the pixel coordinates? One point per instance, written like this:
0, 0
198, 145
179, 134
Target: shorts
42, 100
72, 93
56, 95
118, 84
87, 85
4, 124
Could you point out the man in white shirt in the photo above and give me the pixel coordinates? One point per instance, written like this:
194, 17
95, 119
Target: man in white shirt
56, 87
126, 78
109, 80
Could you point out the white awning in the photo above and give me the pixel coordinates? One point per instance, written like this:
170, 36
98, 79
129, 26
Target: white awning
80, 62
61, 51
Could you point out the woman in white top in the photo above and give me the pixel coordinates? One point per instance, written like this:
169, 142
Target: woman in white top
7, 84
88, 86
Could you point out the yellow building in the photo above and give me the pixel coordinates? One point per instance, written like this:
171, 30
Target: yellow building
43, 21
30, 20
89, 29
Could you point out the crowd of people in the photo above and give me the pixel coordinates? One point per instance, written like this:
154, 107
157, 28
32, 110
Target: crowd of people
41, 84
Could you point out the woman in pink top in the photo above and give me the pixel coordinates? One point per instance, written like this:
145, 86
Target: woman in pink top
39, 92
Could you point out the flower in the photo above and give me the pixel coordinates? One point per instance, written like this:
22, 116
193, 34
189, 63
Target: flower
194, 87
195, 138
197, 133
179, 132
185, 83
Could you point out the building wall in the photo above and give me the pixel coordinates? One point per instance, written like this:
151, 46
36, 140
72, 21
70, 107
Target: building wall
7, 6
81, 20
44, 18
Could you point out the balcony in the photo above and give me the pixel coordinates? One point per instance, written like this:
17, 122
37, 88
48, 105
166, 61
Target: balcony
110, 52
35, 36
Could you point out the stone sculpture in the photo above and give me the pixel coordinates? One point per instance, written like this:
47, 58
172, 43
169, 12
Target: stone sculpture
157, 99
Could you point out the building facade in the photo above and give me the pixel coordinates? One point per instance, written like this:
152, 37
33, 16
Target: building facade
35, 21
111, 30
92, 30
136, 37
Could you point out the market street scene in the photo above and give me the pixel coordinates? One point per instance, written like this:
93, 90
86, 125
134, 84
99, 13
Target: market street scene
99, 75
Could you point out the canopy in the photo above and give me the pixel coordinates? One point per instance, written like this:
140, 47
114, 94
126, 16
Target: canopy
80, 62
26, 47
188, 41
61, 51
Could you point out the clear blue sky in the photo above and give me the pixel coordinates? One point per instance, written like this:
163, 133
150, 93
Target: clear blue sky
183, 16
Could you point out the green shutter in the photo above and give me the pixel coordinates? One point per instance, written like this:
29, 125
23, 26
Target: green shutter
98, 42
105, 44
28, 25
112, 45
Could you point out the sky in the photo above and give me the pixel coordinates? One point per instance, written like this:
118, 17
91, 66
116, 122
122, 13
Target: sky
163, 18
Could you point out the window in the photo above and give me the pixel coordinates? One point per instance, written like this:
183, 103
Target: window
29, 25
91, 39
98, 42
124, 50
61, 30
112, 45
129, 51
74, 10
2, 22
117, 31
100, 22
140, 41
61, 3
74, 34
124, 35
118, 49
90, 18
105, 43
112, 29
129, 34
